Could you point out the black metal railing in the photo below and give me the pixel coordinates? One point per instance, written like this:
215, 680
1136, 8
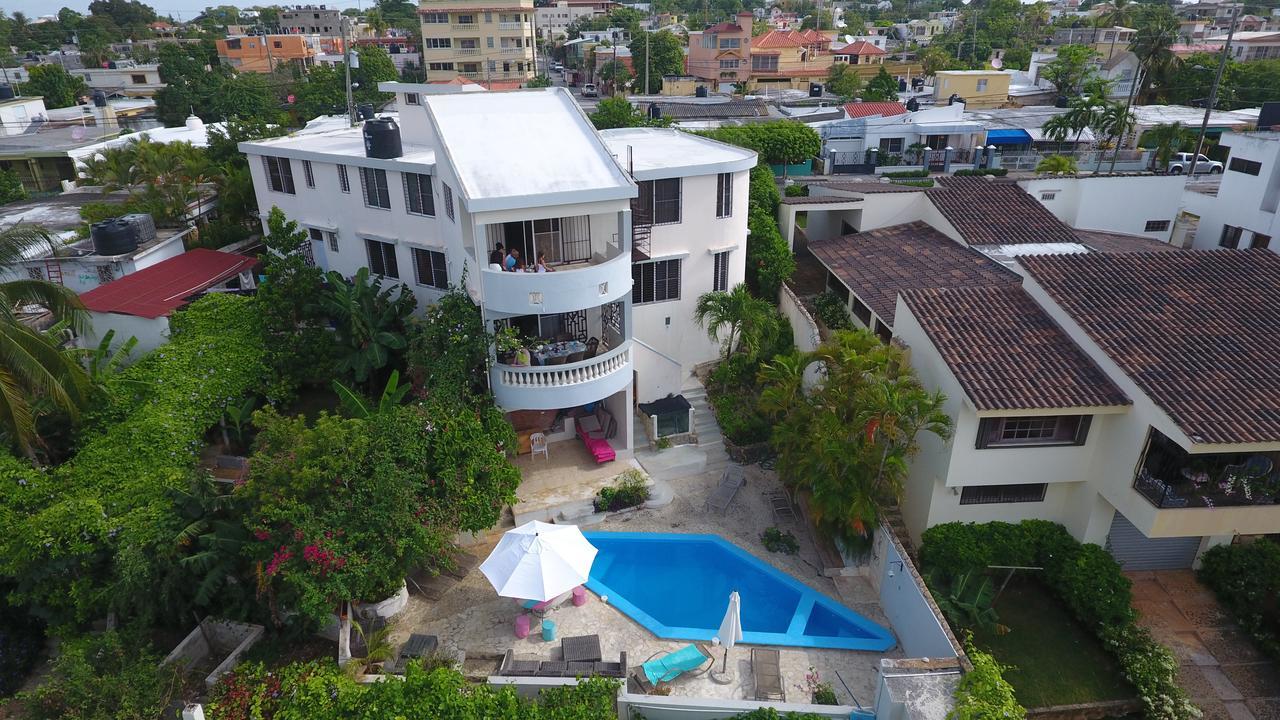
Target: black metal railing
641, 232
1236, 486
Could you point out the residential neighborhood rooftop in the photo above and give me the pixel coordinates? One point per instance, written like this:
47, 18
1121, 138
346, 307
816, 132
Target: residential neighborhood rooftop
656, 152
1190, 328
166, 286
1006, 352
874, 109
993, 212
878, 264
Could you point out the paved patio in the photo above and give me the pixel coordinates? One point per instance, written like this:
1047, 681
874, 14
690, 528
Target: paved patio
1226, 676
470, 617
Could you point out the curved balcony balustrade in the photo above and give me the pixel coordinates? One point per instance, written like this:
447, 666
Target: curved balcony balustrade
551, 387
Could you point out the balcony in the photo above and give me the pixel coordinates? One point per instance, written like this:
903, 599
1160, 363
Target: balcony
514, 51
468, 51
511, 26
1171, 478
590, 267
552, 387
465, 26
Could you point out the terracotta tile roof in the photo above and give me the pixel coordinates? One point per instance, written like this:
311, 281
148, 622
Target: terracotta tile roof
861, 47
873, 187
1197, 330
994, 212
879, 264
789, 38
1007, 353
724, 27
1109, 242
874, 109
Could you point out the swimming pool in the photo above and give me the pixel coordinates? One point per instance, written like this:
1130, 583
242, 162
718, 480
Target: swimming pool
678, 587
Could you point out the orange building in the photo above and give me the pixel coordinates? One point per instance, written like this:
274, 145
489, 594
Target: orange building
263, 53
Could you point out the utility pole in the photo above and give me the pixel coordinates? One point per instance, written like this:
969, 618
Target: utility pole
346, 51
647, 53
1213, 93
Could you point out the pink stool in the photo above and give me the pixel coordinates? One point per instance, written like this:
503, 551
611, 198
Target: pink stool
579, 596
522, 626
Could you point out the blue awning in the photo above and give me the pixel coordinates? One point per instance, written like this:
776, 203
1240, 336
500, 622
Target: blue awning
1008, 137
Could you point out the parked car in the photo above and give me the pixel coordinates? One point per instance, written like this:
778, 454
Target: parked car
558, 67
589, 90
1181, 164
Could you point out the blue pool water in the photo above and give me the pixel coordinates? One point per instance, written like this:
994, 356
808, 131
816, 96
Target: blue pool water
678, 587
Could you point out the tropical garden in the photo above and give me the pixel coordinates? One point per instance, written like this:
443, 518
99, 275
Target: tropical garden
369, 442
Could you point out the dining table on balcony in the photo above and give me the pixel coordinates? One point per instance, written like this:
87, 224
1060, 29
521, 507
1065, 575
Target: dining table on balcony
558, 349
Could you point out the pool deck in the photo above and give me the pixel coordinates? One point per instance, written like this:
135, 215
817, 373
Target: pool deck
470, 617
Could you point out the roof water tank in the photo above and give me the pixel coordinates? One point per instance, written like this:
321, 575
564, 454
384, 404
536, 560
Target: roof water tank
913, 105
700, 91
113, 237
382, 138
902, 84
6, 92
815, 90
655, 111
194, 124
365, 111
143, 226
1267, 119
99, 98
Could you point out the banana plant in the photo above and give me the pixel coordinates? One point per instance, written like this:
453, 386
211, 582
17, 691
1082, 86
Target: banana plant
966, 600
357, 406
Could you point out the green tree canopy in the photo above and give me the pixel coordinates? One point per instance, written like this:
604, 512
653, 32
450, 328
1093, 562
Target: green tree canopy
881, 88
666, 57
843, 80
1070, 69
58, 87
618, 112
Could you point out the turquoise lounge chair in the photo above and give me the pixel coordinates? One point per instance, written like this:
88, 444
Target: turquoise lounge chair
687, 660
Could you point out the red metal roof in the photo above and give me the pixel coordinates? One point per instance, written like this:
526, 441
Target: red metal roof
874, 109
164, 287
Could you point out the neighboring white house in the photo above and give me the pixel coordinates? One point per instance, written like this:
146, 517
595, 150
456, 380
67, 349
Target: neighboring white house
1242, 214
1133, 204
18, 114
553, 21
635, 225
81, 268
124, 81
1096, 378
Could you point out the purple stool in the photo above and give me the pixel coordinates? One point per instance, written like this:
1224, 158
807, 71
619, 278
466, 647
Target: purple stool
522, 626
579, 596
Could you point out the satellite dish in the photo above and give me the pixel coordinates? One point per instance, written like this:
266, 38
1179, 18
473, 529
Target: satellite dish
997, 63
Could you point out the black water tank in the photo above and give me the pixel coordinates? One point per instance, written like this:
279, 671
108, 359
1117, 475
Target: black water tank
6, 92
364, 111
902, 85
815, 90
954, 99
913, 105
382, 138
142, 227
99, 98
1061, 102
1267, 119
655, 112
111, 64
700, 91
113, 237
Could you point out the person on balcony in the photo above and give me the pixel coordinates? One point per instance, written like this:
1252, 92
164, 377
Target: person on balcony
512, 263
542, 266
495, 257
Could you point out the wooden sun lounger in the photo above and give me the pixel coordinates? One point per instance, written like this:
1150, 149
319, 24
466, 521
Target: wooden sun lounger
734, 477
766, 671
782, 507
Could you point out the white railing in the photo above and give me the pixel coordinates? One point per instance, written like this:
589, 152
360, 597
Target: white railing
465, 26
558, 376
513, 51
468, 51
510, 26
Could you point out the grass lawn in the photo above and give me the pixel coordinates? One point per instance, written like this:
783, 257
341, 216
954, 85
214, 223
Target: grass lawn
1054, 659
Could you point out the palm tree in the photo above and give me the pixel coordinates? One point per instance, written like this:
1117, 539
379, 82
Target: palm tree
376, 22
1151, 44
1115, 121
1168, 139
1057, 128
1121, 13
33, 368
749, 322
113, 168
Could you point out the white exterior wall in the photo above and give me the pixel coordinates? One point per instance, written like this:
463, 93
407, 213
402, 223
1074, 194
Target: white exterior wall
151, 332
16, 115
1122, 204
1242, 199
668, 327
121, 80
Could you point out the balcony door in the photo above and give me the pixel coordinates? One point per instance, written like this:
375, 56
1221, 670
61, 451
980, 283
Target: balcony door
564, 240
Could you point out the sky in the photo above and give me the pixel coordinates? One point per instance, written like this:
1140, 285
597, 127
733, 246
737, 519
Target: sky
186, 8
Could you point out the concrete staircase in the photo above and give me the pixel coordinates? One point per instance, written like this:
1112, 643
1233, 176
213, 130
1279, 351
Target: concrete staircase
686, 460
710, 439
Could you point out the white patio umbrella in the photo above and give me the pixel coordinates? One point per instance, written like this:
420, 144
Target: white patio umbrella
539, 561
730, 632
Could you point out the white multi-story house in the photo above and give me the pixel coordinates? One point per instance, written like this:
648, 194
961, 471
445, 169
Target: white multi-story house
1106, 381
634, 224
1242, 214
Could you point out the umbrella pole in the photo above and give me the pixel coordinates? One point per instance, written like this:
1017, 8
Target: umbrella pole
725, 666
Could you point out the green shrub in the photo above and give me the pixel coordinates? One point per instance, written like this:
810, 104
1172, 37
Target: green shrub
797, 191
739, 417
768, 713
11, 189
631, 491
1151, 668
970, 172
906, 174
769, 260
776, 539
983, 693
102, 677
926, 183
832, 311
21, 640
320, 691
1246, 579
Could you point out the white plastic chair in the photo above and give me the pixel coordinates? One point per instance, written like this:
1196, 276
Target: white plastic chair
538, 444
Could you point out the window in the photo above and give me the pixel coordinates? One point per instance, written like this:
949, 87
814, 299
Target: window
709, 42
720, 282
724, 195
1260, 241
417, 194
138, 79
891, 145
344, 182
277, 44
411, 99
1048, 195
862, 311
324, 236
1156, 226
382, 258
233, 44
1248, 167
764, 63
729, 64
106, 273
429, 268
35, 273
661, 198
991, 494
982, 85
727, 43
1032, 431
488, 41
279, 174
439, 66
435, 18
1230, 236
306, 173
655, 281
466, 19
439, 43
374, 183
448, 200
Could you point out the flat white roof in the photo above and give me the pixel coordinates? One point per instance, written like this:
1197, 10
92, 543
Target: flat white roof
506, 147
329, 139
656, 153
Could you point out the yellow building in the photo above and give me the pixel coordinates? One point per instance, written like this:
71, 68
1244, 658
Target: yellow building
979, 89
477, 40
